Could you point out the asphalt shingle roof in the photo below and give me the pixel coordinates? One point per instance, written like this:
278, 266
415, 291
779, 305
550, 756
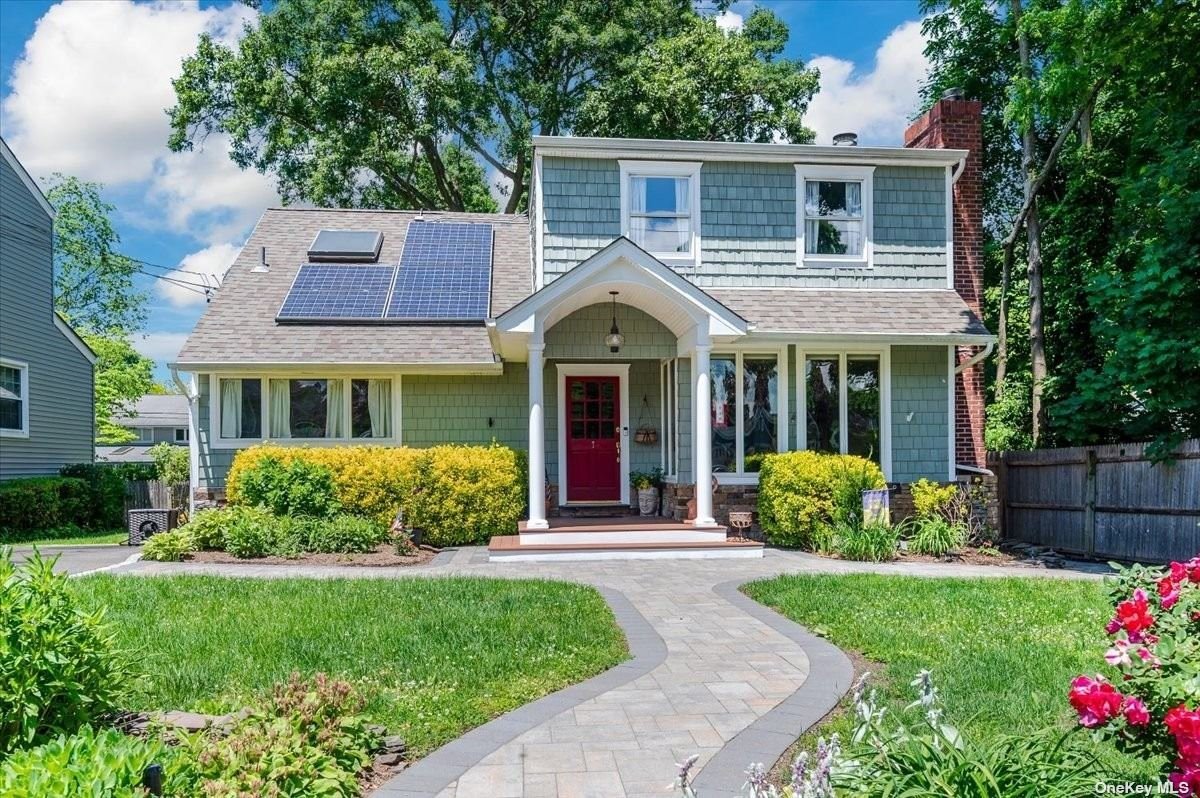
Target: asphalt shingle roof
239, 325
157, 410
936, 312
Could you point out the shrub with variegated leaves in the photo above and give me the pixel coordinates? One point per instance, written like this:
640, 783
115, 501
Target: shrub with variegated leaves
1154, 708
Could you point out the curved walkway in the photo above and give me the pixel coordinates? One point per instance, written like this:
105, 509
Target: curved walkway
714, 674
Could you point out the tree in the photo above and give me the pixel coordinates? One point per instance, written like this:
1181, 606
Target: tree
405, 103
704, 83
93, 282
122, 376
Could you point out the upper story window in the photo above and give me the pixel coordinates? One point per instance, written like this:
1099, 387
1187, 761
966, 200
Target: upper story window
660, 209
834, 215
14, 399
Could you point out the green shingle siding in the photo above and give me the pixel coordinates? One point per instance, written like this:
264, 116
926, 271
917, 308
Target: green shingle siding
581, 335
441, 409
214, 463
920, 442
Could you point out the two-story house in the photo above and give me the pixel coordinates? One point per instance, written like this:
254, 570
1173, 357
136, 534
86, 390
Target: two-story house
677, 304
153, 419
47, 417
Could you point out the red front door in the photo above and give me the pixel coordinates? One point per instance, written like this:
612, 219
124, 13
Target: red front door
593, 439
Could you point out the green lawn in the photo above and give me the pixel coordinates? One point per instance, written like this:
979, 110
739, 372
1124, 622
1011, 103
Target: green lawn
75, 540
435, 657
1002, 651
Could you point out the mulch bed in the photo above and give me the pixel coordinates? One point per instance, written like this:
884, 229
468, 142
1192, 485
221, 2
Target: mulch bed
383, 557
971, 556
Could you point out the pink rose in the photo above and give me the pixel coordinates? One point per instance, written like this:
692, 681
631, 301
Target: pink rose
1135, 712
1095, 700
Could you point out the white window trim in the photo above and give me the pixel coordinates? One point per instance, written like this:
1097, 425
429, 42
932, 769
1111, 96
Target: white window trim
782, 423
884, 354
23, 367
214, 410
184, 430
668, 376
689, 169
862, 174
619, 370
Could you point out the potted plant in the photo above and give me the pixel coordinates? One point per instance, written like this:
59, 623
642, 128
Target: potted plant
644, 483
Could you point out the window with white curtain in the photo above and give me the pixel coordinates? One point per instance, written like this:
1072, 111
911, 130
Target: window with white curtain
842, 396
305, 408
14, 399
660, 208
834, 215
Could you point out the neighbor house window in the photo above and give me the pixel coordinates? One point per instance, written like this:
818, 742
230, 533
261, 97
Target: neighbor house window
842, 397
181, 435
306, 408
14, 398
144, 435
660, 209
833, 215
746, 407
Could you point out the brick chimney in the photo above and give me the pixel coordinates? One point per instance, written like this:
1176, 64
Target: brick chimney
955, 123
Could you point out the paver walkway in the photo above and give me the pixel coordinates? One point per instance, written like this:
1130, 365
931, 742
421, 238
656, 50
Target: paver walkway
718, 680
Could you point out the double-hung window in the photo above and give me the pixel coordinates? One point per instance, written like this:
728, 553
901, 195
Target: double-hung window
844, 397
306, 408
748, 410
834, 215
660, 209
14, 399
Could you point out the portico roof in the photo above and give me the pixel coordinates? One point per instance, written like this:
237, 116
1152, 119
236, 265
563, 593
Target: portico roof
643, 281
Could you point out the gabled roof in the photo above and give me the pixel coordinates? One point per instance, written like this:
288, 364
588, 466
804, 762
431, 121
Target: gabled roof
239, 327
157, 410
26, 179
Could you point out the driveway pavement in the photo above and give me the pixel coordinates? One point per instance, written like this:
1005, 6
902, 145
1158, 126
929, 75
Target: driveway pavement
78, 560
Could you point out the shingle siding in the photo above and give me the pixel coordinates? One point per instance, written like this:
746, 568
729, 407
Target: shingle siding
748, 224
581, 335
60, 376
920, 415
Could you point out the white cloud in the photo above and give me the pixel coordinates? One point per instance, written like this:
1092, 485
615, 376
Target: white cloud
205, 267
88, 98
875, 104
728, 21
161, 347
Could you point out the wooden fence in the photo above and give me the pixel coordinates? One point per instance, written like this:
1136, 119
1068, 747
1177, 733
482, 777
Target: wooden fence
1108, 502
152, 494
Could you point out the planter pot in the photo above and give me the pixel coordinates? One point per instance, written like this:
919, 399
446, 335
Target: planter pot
648, 501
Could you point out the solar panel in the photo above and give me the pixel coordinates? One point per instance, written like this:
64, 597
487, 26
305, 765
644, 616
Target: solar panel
445, 273
322, 292
346, 245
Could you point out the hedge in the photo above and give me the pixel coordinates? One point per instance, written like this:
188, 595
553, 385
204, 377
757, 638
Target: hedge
44, 502
456, 494
799, 492
106, 481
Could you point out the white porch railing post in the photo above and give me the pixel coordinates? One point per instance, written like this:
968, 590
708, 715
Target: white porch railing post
537, 435
701, 404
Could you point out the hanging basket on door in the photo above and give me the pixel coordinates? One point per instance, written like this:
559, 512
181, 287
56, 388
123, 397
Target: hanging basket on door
646, 432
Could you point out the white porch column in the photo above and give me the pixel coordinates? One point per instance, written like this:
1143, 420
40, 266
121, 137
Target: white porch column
701, 408
537, 434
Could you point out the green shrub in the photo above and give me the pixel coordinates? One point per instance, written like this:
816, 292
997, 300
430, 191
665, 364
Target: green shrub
309, 741
298, 487
35, 503
104, 764
168, 546
936, 536
467, 494
207, 528
874, 542
931, 499
800, 491
172, 464
250, 532
106, 482
59, 664
343, 534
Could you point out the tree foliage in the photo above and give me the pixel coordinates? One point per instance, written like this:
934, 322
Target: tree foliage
1119, 209
406, 103
122, 377
93, 282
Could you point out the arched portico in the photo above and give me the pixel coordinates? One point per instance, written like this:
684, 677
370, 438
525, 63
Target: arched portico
694, 318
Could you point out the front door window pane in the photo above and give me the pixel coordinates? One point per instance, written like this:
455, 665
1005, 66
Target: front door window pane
760, 409
862, 406
821, 387
723, 377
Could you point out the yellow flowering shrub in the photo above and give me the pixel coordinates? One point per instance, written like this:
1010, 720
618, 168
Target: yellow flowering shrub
931, 500
458, 494
799, 493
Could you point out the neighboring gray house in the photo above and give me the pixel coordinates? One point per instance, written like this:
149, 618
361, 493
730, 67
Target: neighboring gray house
685, 305
46, 381
156, 418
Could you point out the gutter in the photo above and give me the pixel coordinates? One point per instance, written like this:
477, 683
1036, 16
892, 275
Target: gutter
978, 357
959, 168
189, 390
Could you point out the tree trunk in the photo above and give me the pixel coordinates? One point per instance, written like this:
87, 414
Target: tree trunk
1002, 332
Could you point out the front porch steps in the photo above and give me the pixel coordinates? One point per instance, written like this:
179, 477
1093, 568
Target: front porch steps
600, 510
618, 538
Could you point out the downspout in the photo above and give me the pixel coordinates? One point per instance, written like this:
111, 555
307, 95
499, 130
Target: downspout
959, 168
975, 359
189, 390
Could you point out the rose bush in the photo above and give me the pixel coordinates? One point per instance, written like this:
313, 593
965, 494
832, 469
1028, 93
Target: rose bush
1154, 708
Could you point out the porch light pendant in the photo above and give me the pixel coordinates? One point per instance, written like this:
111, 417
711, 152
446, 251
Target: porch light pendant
614, 340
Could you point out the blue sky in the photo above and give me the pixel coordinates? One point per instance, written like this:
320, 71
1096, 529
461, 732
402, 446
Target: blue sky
105, 65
